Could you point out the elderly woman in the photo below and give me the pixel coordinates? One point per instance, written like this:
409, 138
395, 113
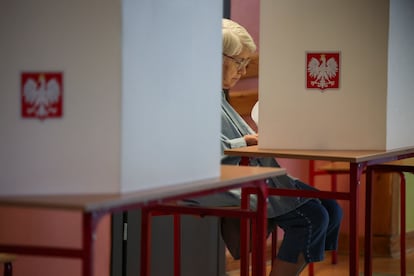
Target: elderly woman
311, 226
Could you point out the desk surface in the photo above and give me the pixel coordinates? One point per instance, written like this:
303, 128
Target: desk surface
352, 156
231, 177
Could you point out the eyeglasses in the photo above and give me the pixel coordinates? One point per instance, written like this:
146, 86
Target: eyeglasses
241, 63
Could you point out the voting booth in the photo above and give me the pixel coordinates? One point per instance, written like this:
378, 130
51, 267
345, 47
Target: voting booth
108, 96
336, 74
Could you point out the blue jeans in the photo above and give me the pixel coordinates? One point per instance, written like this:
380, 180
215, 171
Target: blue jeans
311, 229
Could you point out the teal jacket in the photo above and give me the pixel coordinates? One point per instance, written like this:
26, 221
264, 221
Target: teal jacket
233, 129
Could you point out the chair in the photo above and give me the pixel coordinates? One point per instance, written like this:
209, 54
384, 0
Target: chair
248, 217
332, 168
7, 260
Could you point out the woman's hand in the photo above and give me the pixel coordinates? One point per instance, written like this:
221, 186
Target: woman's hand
251, 139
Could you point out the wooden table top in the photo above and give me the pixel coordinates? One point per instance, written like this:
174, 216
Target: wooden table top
231, 177
352, 156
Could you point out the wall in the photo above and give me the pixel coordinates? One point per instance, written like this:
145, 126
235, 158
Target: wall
247, 14
409, 203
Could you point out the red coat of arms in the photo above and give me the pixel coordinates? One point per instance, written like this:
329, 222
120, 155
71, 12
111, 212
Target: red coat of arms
322, 70
42, 95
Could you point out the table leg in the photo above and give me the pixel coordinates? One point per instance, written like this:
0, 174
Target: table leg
355, 174
261, 229
177, 244
402, 224
334, 253
88, 224
8, 269
368, 224
145, 241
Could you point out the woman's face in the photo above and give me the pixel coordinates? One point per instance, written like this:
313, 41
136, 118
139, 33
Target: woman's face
234, 67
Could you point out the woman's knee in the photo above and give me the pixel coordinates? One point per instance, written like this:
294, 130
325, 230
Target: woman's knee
334, 210
317, 214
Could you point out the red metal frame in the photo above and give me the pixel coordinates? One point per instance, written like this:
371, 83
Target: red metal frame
368, 209
313, 172
90, 220
356, 170
248, 217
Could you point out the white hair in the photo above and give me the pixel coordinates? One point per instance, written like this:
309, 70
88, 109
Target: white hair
235, 38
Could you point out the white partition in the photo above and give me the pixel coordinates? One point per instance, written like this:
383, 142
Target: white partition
373, 106
171, 80
141, 82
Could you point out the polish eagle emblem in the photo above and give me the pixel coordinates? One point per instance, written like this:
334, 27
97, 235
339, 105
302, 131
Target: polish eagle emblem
323, 71
41, 96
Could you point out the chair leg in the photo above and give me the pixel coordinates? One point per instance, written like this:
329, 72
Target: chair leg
245, 236
311, 270
146, 241
274, 245
334, 257
8, 269
7, 260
